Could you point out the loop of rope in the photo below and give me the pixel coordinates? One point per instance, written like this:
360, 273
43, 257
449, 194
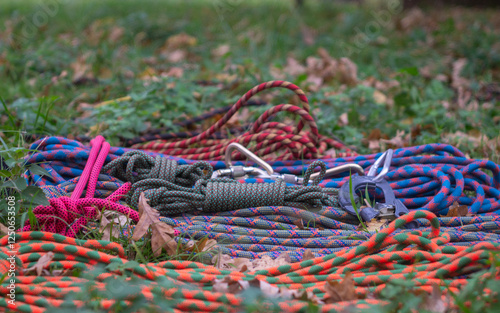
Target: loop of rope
223, 194
66, 215
292, 143
135, 166
422, 257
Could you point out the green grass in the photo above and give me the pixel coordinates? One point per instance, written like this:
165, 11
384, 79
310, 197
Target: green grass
43, 45
38, 65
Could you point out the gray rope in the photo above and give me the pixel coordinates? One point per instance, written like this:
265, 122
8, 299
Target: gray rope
136, 166
224, 194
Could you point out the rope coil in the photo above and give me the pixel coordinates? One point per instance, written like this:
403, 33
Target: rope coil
135, 166
224, 194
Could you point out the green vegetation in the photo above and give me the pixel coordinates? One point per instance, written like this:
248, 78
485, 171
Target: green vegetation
409, 78
421, 77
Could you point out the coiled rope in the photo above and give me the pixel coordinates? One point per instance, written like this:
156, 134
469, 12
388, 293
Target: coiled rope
66, 215
386, 256
430, 176
269, 230
174, 189
271, 138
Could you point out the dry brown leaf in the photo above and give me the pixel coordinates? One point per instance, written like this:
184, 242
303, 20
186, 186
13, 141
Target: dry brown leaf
221, 50
457, 81
107, 229
434, 302
413, 18
308, 255
111, 227
181, 40
320, 70
162, 234
201, 245
293, 67
348, 72
343, 119
226, 285
457, 210
177, 56
340, 291
299, 223
399, 141
308, 34
3, 229
374, 225
63, 272
176, 72
116, 34
379, 97
224, 261
82, 70
267, 289
42, 262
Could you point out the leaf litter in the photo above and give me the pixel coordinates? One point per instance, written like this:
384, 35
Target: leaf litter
162, 234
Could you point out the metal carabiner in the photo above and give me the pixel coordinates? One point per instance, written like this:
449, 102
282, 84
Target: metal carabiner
241, 171
385, 158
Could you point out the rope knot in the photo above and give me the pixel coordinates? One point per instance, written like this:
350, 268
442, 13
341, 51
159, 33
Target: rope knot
66, 215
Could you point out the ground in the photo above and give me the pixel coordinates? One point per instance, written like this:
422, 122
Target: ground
376, 76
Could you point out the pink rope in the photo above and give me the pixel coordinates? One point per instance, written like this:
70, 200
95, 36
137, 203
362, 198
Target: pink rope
67, 215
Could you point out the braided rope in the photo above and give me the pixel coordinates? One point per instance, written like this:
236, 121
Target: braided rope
210, 195
66, 215
388, 255
271, 137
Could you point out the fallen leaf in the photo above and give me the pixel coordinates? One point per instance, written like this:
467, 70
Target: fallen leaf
267, 289
434, 302
201, 245
224, 261
107, 229
456, 210
379, 97
111, 227
177, 56
348, 72
340, 291
3, 229
308, 255
181, 40
226, 285
308, 34
299, 223
176, 72
343, 119
42, 262
117, 218
413, 18
221, 50
62, 272
293, 67
116, 34
399, 141
375, 225
82, 70
457, 81
162, 234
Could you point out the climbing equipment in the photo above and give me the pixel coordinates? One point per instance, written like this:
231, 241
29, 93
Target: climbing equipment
420, 256
270, 137
265, 218
66, 215
391, 208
